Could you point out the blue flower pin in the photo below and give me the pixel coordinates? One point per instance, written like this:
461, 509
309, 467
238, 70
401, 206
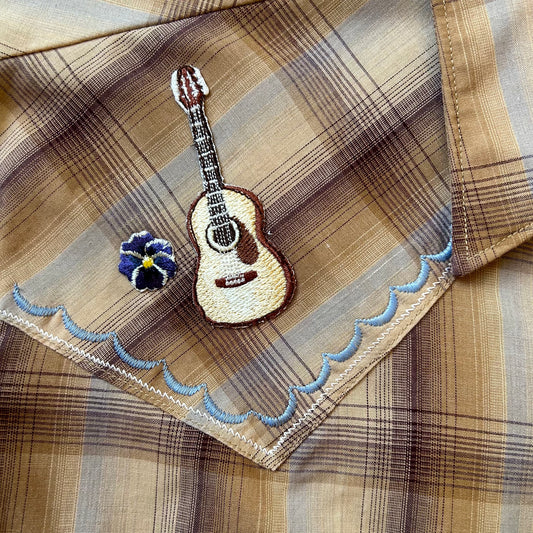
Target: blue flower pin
147, 262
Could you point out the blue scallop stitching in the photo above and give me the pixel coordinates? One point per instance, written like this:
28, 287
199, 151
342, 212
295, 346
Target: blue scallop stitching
210, 405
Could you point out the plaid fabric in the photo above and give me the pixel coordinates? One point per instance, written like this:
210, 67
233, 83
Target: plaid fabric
433, 439
29, 26
337, 122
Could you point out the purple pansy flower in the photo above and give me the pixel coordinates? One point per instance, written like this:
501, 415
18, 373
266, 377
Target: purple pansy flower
147, 262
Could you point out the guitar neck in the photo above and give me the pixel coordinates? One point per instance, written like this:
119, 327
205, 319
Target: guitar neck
212, 179
189, 89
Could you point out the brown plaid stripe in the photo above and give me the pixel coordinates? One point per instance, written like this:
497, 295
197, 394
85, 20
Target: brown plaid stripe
487, 92
28, 28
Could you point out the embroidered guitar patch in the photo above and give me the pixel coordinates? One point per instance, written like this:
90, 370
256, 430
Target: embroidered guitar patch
240, 278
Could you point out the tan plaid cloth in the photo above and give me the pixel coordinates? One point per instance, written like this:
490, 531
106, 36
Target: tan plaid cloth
391, 145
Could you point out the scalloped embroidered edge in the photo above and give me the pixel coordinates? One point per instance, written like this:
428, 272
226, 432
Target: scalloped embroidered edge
287, 433
10, 317
228, 418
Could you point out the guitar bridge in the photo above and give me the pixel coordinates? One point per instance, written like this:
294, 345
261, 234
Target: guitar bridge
236, 280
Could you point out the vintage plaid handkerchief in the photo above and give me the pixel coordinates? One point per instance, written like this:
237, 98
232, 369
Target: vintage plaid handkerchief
388, 146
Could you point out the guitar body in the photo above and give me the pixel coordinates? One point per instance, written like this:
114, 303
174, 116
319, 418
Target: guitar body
244, 285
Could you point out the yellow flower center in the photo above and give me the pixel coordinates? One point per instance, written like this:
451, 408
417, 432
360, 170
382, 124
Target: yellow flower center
148, 262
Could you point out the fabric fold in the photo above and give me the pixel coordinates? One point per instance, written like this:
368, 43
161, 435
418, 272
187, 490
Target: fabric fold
487, 77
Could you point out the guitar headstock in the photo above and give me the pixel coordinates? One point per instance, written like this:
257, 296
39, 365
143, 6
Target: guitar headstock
188, 86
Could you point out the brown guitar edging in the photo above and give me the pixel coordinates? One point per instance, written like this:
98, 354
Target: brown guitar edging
260, 226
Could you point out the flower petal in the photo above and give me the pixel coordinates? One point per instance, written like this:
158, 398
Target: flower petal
128, 263
163, 273
158, 245
136, 243
166, 263
148, 278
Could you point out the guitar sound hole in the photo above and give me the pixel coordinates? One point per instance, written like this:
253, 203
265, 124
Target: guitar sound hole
223, 238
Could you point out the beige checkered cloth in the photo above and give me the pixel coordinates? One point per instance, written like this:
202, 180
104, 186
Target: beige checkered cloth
373, 132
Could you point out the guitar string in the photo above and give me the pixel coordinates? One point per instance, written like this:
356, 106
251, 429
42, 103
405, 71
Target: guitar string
199, 124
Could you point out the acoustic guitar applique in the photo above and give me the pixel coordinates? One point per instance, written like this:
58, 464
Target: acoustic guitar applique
240, 278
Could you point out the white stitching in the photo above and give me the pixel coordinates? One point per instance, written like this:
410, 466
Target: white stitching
125, 373
286, 434
459, 130
348, 369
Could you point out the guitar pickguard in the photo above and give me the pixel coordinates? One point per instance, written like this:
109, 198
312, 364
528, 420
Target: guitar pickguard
247, 249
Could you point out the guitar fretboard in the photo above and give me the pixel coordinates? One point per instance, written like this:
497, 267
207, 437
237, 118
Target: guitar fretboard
209, 166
